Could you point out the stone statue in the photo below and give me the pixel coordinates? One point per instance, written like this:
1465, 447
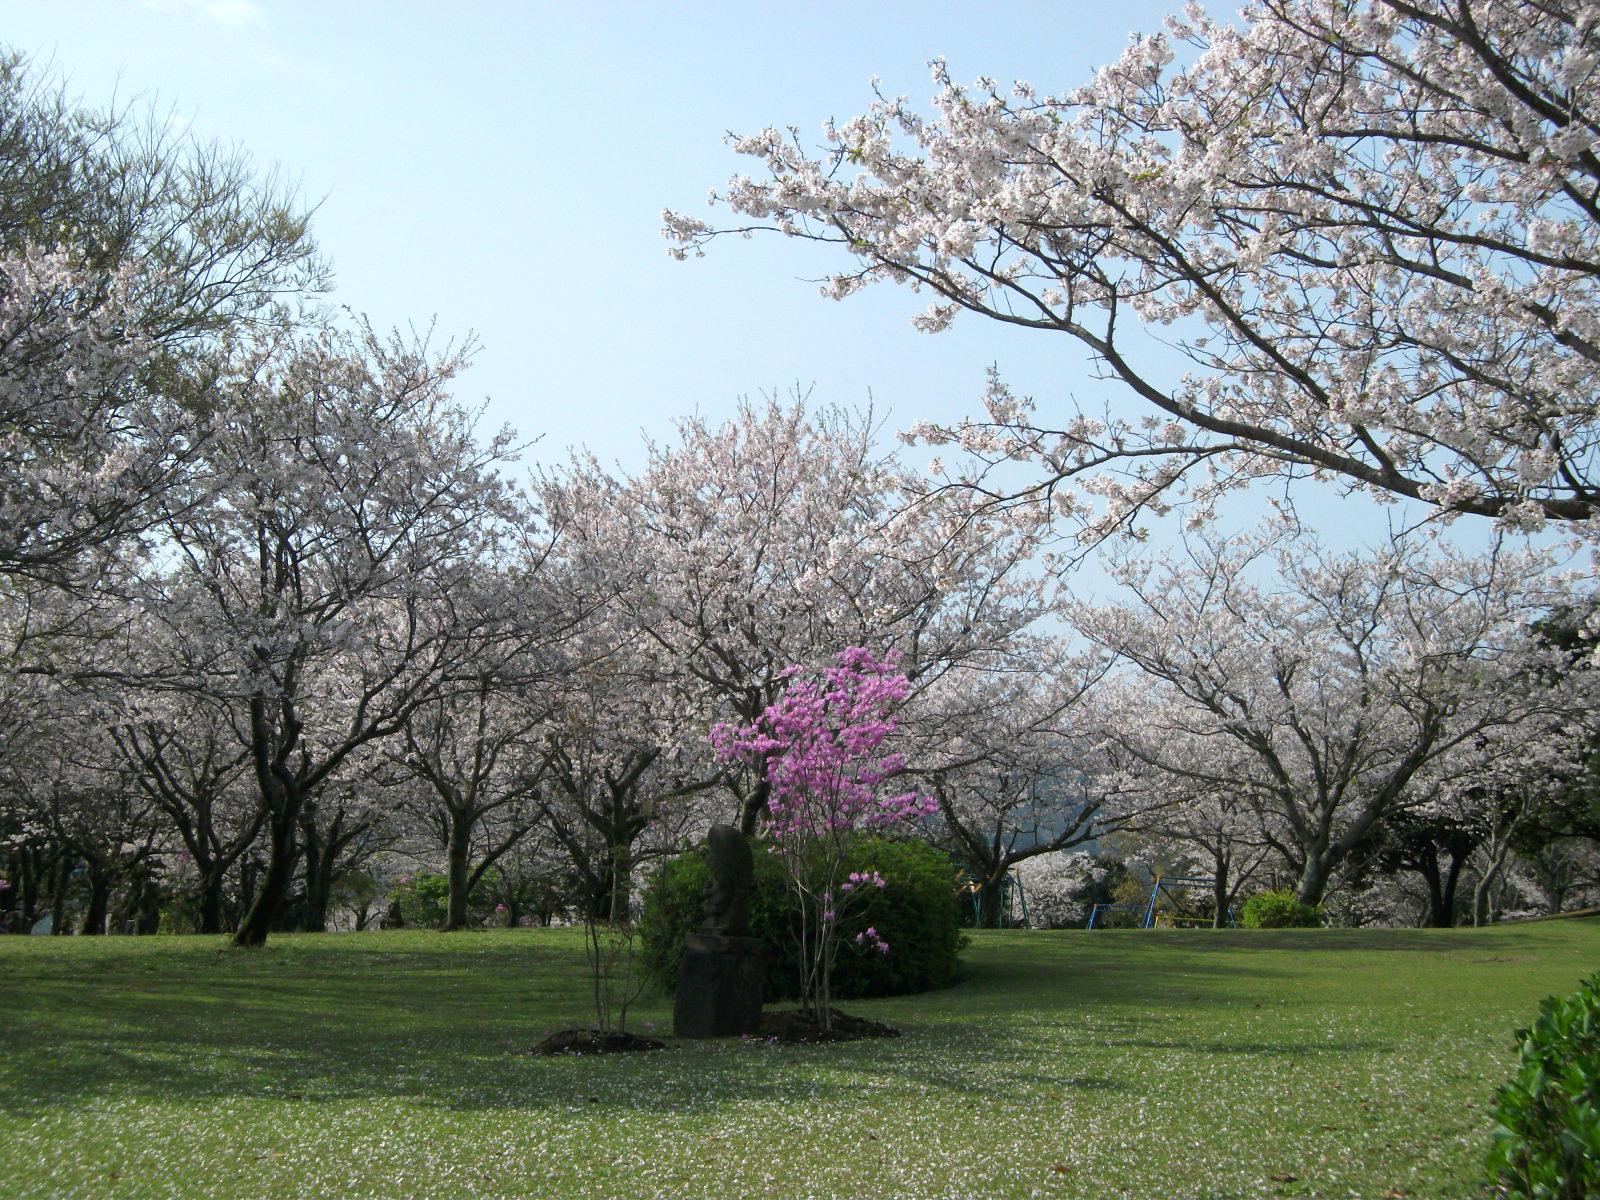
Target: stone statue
730, 884
723, 974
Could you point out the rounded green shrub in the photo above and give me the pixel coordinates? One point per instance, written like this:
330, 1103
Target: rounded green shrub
916, 912
1279, 910
1547, 1119
424, 899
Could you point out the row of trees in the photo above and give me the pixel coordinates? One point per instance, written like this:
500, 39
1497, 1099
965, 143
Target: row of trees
1251, 709
279, 616
273, 604
1350, 241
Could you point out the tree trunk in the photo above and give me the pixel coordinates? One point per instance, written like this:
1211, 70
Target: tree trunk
94, 920
991, 902
249, 873
1313, 881
1219, 893
1441, 914
1452, 880
273, 886
1481, 895
211, 901
8, 902
616, 884
148, 918
314, 909
28, 912
58, 894
458, 849
24, 893
755, 804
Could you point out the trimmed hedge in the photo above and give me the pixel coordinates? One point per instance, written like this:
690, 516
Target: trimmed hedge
916, 912
1279, 910
1547, 1119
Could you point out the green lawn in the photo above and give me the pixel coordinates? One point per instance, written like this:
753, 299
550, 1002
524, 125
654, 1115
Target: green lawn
1146, 1065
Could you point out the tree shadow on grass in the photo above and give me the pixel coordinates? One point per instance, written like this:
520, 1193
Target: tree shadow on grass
194, 1042
1278, 1049
441, 1028
1428, 941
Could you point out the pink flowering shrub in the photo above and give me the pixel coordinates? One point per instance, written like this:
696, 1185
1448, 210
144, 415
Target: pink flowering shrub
821, 748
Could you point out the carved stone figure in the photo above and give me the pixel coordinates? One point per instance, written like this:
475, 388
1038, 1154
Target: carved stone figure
731, 882
722, 977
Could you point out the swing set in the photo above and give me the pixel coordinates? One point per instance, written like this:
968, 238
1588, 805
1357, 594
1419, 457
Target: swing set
1151, 915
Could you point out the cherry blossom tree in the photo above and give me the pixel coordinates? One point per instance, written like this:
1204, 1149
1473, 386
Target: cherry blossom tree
323, 588
484, 750
625, 756
1354, 241
84, 448
1061, 887
1003, 746
71, 784
1199, 828
478, 753
1336, 689
187, 758
342, 825
775, 538
128, 251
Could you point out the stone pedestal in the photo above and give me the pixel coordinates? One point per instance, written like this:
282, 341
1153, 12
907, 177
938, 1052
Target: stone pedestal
720, 986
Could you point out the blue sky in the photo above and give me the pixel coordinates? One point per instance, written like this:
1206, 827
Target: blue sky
500, 169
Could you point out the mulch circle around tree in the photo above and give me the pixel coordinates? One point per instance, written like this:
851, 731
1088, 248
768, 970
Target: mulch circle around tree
793, 1025
592, 1041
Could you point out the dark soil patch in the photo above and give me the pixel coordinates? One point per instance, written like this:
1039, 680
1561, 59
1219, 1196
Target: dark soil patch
592, 1041
792, 1025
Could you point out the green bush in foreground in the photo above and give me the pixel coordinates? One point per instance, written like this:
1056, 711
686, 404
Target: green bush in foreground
1279, 910
1547, 1119
916, 912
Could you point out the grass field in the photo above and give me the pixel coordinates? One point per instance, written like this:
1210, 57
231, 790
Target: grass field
1197, 1065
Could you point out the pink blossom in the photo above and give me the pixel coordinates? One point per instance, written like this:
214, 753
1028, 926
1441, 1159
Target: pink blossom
821, 747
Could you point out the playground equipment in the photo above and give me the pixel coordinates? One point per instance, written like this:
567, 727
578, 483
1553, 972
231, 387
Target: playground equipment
1150, 914
1013, 900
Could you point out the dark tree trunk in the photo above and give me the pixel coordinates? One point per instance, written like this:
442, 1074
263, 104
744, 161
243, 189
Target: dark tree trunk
273, 886
1219, 892
458, 869
612, 896
28, 912
755, 805
148, 920
94, 920
8, 900
991, 901
211, 901
1313, 880
20, 901
1441, 909
319, 895
58, 894
314, 910
1452, 879
249, 873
